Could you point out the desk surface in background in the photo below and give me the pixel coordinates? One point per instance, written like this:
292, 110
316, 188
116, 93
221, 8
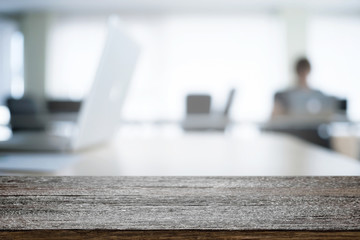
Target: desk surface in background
210, 155
179, 207
198, 155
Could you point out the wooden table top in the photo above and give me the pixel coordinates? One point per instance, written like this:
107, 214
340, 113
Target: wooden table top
179, 207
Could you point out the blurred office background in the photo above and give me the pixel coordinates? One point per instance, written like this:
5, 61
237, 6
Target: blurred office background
50, 50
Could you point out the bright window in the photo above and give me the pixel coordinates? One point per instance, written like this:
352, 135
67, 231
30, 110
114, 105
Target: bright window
335, 53
181, 54
75, 45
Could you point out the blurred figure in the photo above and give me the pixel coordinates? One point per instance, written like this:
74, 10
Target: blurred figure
302, 101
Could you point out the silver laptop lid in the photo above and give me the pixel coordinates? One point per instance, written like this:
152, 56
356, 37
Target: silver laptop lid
100, 113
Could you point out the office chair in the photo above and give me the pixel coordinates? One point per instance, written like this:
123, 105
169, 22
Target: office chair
25, 115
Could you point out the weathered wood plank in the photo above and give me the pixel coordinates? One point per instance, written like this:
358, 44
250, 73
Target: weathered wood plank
180, 203
175, 235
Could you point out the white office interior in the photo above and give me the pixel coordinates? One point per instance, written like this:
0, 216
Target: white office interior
51, 51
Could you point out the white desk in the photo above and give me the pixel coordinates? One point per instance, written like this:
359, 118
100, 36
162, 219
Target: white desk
206, 154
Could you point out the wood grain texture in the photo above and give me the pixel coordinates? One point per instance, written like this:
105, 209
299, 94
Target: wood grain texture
175, 235
181, 205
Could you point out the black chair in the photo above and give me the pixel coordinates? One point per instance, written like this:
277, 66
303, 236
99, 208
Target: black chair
25, 115
63, 106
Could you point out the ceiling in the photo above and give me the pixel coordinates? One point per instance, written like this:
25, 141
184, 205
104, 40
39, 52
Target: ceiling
176, 5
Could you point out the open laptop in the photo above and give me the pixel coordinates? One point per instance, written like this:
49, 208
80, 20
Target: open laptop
100, 112
205, 121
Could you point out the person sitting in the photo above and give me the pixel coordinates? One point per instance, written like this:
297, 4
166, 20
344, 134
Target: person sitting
302, 101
